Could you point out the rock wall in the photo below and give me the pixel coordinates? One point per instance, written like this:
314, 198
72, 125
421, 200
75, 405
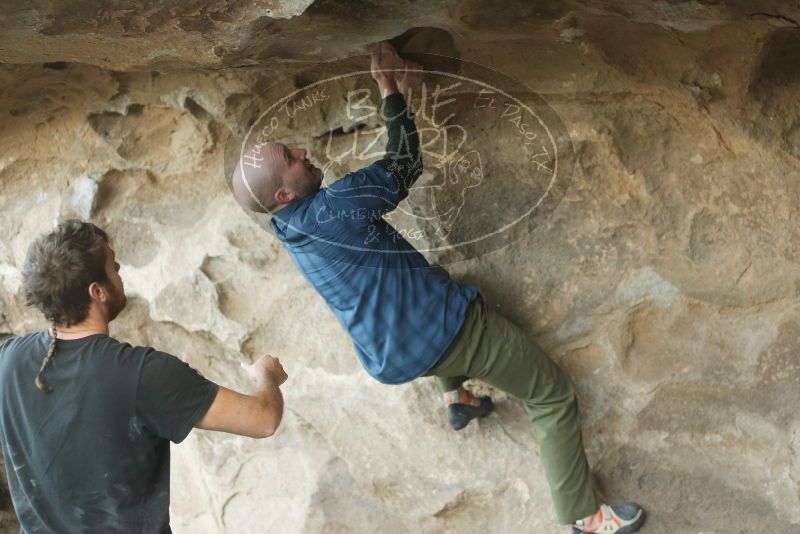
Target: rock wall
666, 281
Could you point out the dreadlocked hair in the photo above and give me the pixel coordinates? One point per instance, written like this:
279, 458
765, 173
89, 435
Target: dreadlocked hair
39, 382
58, 269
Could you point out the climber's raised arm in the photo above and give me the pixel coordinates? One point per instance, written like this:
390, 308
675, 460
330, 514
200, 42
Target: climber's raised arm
379, 187
403, 157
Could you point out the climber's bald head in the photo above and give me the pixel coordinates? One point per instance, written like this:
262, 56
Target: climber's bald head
270, 176
257, 176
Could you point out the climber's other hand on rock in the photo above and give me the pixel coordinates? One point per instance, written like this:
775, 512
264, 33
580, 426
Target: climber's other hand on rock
385, 62
409, 79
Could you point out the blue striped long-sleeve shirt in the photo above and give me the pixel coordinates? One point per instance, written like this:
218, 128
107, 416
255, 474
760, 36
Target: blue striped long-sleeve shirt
400, 313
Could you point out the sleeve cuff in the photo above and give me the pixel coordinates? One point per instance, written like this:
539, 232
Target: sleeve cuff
198, 413
393, 105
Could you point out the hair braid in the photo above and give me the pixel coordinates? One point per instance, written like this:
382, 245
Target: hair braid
39, 382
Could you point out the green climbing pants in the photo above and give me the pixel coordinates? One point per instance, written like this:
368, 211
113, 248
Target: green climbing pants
491, 348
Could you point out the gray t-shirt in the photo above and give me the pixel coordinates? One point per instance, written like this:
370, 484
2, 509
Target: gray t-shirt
92, 455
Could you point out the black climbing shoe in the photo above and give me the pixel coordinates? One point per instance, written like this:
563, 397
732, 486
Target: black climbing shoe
459, 415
